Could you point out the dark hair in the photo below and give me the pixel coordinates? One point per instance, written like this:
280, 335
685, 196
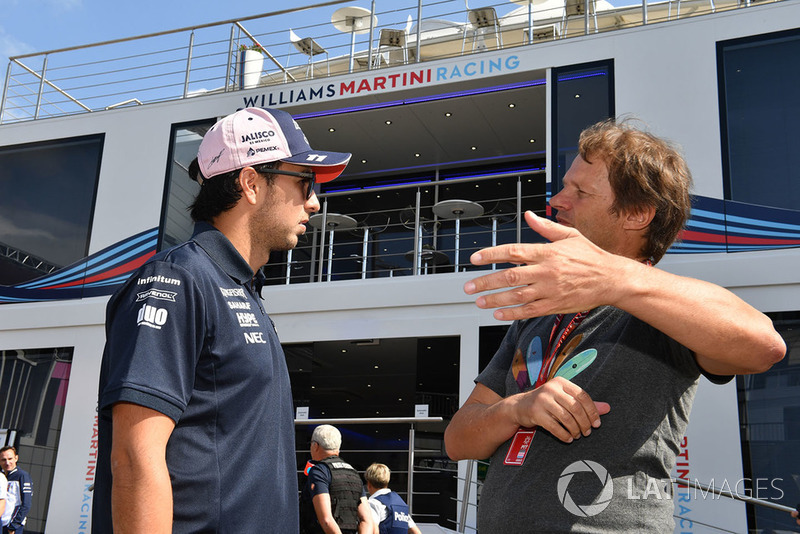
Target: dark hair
220, 193
644, 171
9, 448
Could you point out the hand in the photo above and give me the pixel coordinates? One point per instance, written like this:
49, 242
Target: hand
567, 275
796, 515
560, 407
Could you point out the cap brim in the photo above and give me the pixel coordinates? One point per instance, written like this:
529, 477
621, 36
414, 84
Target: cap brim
327, 165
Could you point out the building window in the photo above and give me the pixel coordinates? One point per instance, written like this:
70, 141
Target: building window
769, 412
382, 380
759, 112
47, 195
33, 389
176, 224
581, 96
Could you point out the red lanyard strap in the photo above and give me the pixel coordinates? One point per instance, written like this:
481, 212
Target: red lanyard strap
552, 350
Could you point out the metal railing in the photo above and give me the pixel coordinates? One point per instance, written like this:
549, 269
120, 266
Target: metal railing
469, 480
412, 229
207, 59
411, 421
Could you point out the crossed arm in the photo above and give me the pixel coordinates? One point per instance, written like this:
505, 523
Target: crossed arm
571, 274
141, 492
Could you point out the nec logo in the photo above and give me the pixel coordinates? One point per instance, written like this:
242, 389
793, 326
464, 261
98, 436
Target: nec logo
159, 294
152, 317
316, 157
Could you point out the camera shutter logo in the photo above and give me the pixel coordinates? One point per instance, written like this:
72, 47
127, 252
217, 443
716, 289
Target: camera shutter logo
601, 501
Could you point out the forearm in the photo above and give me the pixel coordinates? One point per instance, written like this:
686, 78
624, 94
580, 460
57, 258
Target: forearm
477, 430
141, 498
329, 526
727, 335
141, 492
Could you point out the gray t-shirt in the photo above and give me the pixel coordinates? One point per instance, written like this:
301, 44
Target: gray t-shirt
648, 379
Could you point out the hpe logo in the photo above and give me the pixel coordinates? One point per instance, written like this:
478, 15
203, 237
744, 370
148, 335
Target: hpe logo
152, 317
247, 320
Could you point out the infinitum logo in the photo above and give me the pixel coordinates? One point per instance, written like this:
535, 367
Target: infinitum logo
600, 502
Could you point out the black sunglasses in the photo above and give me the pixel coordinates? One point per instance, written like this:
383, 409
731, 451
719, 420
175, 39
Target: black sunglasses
309, 178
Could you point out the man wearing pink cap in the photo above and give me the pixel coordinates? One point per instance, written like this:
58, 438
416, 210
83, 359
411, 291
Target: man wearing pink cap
196, 430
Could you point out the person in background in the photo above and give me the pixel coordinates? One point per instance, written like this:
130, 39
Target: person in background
599, 331
19, 493
390, 512
333, 500
3, 498
196, 426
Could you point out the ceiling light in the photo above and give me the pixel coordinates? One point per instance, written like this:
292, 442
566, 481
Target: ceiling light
363, 161
448, 114
388, 122
578, 95
331, 129
511, 105
376, 367
531, 140
416, 154
474, 148
344, 350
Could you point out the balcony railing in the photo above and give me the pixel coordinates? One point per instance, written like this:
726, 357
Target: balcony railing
207, 59
412, 229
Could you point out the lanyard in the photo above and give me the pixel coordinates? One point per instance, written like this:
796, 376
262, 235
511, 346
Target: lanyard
550, 354
520, 444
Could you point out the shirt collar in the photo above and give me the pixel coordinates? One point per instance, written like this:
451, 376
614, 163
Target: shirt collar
222, 251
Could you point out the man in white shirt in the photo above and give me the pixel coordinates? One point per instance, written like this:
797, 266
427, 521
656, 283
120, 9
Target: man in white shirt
389, 511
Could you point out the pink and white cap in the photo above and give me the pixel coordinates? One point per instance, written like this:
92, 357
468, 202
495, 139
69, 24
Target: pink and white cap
253, 136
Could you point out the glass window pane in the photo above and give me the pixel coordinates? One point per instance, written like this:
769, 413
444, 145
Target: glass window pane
176, 223
47, 193
33, 389
582, 96
769, 409
760, 112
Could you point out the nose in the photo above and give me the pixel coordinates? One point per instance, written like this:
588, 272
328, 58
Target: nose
312, 204
557, 201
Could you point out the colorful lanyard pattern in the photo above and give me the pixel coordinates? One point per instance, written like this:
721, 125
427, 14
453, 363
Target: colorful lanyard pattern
551, 352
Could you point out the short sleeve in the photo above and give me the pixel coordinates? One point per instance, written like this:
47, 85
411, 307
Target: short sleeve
319, 479
494, 375
155, 329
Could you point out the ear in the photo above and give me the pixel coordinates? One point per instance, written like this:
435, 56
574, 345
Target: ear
640, 218
249, 184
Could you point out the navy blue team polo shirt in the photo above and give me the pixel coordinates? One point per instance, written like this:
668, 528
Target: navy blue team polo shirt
187, 335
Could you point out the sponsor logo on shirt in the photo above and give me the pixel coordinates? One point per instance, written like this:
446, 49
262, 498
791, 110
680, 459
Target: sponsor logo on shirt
254, 337
237, 305
235, 292
247, 320
158, 278
159, 294
152, 317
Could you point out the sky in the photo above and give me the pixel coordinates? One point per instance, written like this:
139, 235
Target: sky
38, 25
